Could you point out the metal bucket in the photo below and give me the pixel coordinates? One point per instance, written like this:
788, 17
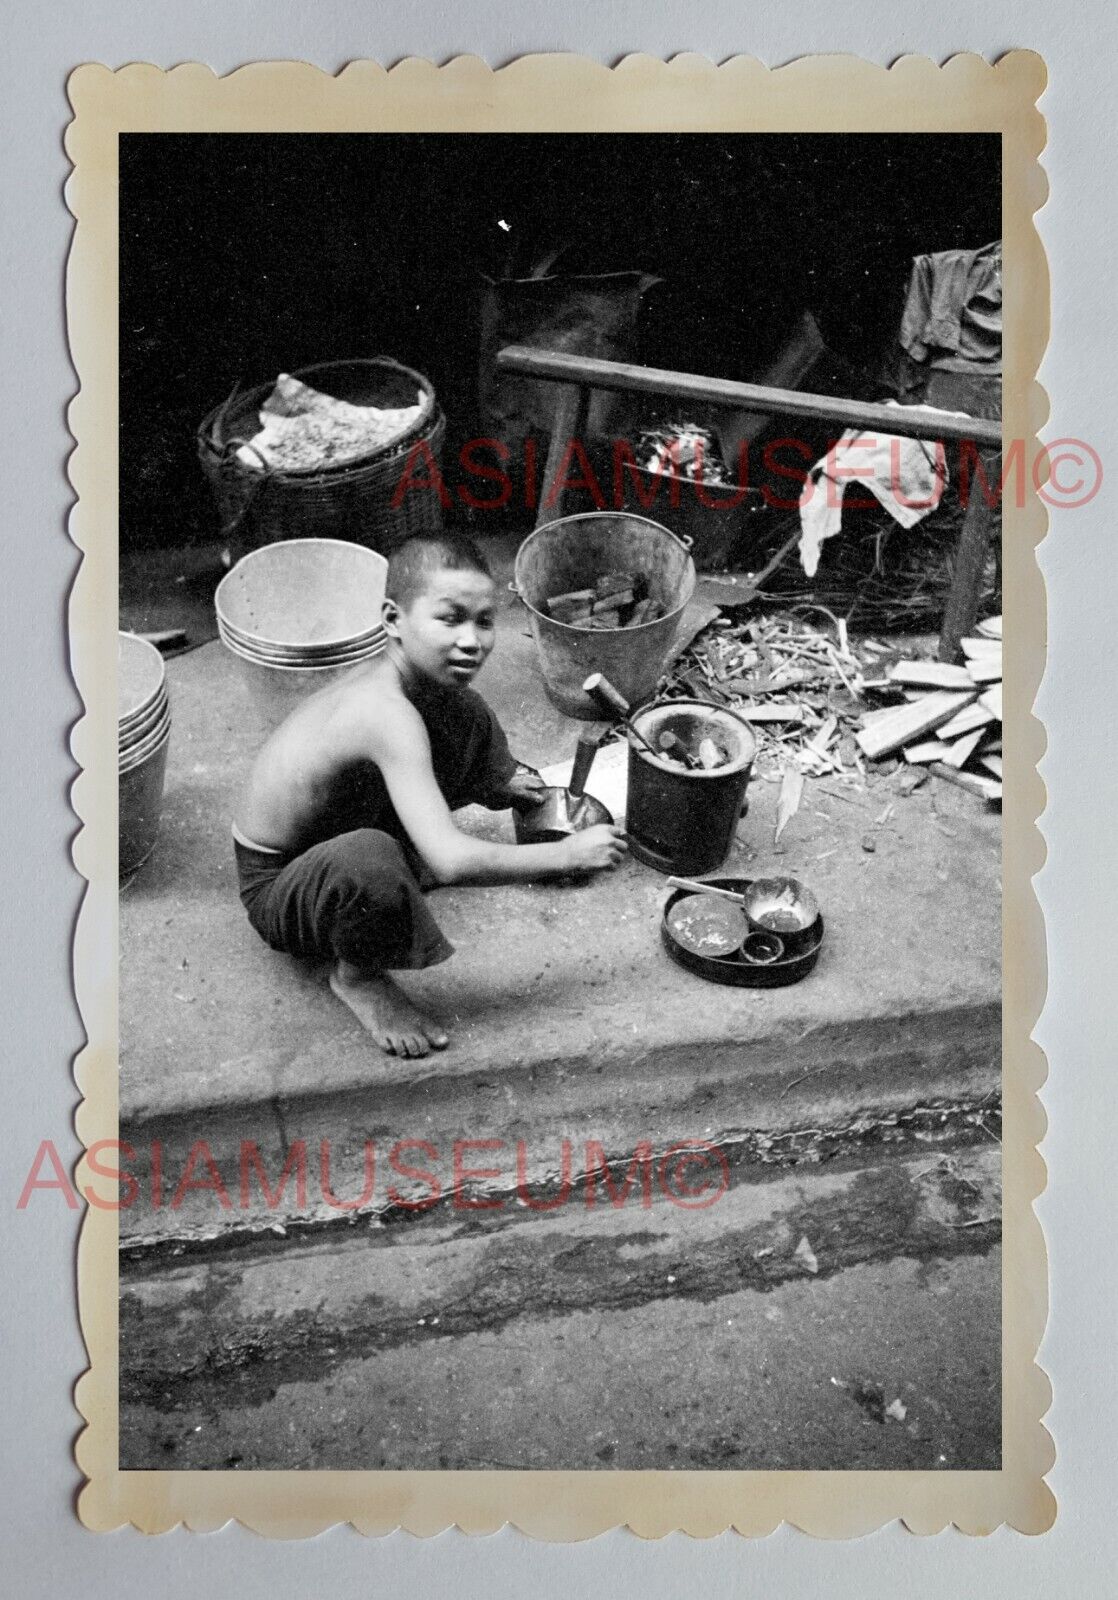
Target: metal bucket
571, 554
316, 592
141, 801
681, 821
276, 690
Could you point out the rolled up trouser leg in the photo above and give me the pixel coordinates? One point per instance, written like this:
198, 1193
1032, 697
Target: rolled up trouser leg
353, 898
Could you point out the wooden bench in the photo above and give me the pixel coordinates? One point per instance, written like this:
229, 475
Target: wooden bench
576, 375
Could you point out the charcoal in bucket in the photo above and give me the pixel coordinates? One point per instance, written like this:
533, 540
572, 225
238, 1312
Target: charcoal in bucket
570, 555
679, 820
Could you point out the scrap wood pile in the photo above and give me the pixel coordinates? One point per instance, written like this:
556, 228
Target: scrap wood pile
617, 600
823, 705
950, 719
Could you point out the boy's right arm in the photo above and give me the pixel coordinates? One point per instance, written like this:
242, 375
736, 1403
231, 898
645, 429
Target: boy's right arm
402, 750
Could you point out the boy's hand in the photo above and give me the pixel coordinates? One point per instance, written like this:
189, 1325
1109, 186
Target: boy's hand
596, 849
525, 789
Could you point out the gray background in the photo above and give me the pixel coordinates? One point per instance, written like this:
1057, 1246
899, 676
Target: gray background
45, 1550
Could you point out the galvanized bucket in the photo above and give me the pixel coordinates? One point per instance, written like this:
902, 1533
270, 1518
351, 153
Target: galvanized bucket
276, 691
571, 554
303, 594
141, 801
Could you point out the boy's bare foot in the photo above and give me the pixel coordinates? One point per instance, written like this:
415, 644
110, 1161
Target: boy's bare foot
382, 1007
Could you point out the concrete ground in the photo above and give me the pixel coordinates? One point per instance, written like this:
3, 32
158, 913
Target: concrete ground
561, 979
264, 1325
829, 1318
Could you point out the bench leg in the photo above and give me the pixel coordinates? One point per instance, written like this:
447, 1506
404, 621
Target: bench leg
571, 411
981, 522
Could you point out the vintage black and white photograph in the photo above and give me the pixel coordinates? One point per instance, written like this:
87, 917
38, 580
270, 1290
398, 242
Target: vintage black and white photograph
560, 774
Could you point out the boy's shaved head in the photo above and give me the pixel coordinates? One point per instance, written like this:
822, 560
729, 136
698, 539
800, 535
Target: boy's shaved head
412, 564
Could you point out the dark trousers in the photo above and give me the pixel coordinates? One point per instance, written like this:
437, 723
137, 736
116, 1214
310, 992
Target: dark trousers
356, 897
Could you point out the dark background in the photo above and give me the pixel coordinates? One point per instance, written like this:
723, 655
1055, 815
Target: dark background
246, 255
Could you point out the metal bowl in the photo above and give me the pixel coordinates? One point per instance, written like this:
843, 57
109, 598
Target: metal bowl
557, 816
784, 907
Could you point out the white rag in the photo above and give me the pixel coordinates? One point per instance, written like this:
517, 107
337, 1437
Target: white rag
907, 476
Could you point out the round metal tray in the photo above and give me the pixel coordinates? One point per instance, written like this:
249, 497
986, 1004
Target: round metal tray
732, 969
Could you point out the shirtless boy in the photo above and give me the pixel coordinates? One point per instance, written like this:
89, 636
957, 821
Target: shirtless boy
346, 817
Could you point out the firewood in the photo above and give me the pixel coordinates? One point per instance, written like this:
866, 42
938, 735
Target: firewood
576, 597
930, 750
609, 581
991, 628
981, 647
901, 725
971, 717
992, 700
988, 788
932, 675
985, 671
614, 600
959, 753
992, 764
773, 711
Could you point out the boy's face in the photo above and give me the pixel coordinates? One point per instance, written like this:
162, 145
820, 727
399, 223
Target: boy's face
448, 630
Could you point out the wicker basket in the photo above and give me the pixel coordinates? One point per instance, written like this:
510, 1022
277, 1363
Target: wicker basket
352, 501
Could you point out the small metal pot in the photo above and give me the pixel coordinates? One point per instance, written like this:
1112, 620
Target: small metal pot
557, 816
784, 907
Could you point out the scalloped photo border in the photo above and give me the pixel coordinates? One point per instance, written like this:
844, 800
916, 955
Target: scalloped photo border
558, 93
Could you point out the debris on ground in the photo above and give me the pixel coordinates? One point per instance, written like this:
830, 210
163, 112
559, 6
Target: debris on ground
798, 686
952, 722
805, 1255
825, 706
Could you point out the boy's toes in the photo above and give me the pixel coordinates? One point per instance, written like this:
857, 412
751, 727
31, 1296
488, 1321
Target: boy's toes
435, 1035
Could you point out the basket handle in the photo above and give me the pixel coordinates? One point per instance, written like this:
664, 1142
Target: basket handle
228, 450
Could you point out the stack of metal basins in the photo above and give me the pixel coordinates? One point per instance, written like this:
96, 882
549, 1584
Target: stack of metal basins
144, 732
298, 614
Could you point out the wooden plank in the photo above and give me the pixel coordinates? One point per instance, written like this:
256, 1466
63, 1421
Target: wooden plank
962, 749
932, 675
903, 421
930, 750
903, 725
988, 788
973, 716
993, 764
773, 711
992, 700
991, 628
985, 671
981, 647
